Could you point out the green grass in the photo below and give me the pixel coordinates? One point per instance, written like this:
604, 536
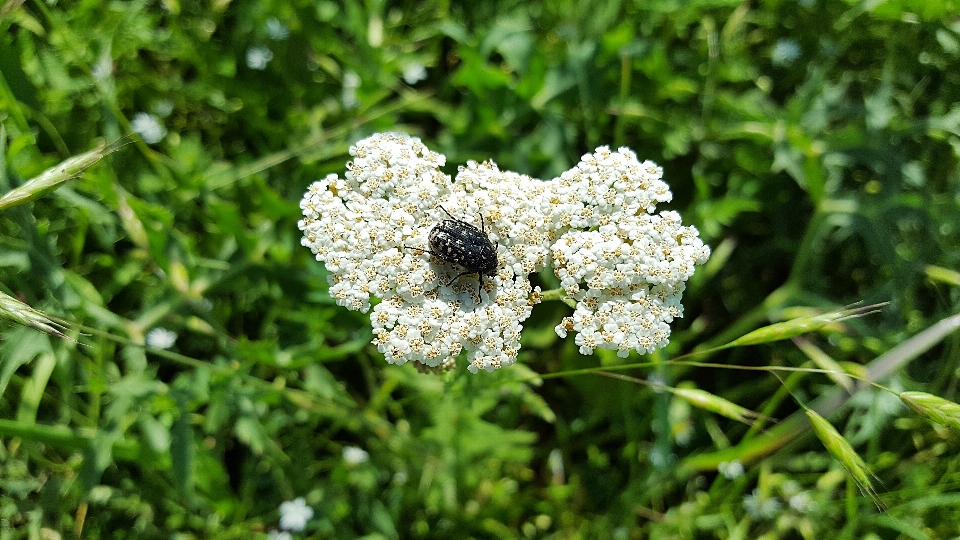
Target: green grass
814, 144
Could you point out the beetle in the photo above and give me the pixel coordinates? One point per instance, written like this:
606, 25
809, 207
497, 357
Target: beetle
457, 242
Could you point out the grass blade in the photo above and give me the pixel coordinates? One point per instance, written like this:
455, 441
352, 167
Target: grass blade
835, 372
943, 275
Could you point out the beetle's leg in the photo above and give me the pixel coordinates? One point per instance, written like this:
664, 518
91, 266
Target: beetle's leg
460, 276
452, 281
482, 228
479, 281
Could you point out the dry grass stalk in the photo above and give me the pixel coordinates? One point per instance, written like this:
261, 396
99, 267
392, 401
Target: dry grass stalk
823, 361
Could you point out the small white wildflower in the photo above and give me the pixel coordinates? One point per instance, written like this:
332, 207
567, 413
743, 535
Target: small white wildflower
277, 30
802, 502
163, 108
785, 52
161, 338
295, 514
731, 469
279, 535
351, 81
414, 73
760, 506
149, 127
259, 57
354, 455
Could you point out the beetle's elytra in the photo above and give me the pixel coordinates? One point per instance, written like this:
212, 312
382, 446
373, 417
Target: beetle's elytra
460, 243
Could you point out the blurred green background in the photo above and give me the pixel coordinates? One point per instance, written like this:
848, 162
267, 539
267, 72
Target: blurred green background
814, 144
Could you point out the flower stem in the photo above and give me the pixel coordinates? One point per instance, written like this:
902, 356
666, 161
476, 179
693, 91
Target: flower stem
559, 294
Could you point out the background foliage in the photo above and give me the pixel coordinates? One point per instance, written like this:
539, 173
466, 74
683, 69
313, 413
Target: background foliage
814, 143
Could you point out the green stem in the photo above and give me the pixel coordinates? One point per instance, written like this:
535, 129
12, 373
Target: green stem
558, 294
64, 437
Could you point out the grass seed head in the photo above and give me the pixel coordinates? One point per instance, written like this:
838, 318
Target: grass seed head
937, 409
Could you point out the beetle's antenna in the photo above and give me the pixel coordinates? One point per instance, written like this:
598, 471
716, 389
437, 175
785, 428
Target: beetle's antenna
448, 213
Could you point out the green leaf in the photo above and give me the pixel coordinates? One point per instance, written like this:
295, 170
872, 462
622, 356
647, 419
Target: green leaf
181, 451
157, 435
249, 431
97, 456
19, 346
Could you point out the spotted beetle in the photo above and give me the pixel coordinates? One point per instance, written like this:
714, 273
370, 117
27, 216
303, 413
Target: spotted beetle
460, 243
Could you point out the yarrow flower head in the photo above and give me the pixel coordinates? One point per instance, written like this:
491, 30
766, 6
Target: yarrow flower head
633, 263
163, 107
624, 266
803, 502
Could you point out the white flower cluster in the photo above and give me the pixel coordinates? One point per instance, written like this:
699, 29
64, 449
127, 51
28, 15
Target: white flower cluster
623, 265
634, 263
